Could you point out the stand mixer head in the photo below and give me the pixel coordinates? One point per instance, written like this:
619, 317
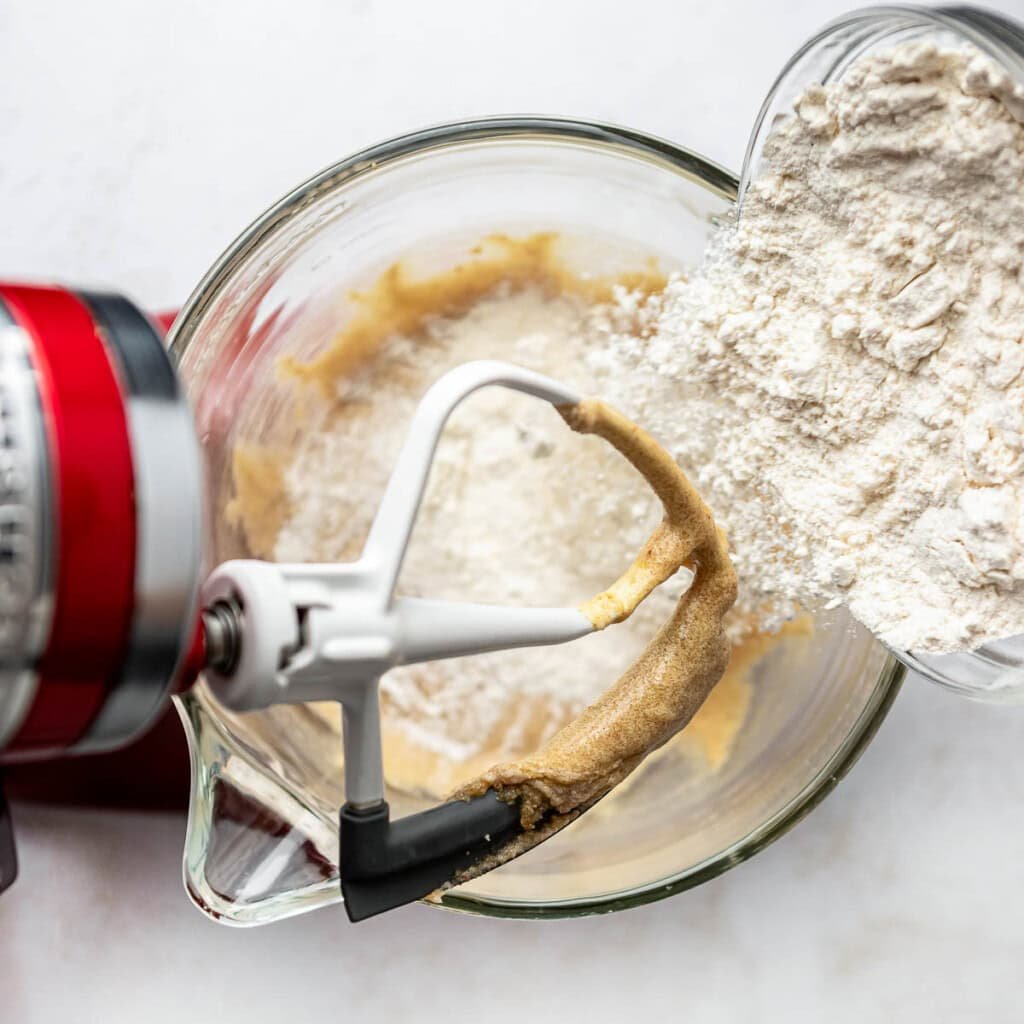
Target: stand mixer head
101, 512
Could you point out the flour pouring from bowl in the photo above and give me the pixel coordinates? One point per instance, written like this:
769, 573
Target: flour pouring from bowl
855, 337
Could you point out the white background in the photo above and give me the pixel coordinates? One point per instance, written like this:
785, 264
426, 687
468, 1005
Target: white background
136, 140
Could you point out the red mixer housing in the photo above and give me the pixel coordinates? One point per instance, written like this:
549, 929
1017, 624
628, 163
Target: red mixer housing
100, 531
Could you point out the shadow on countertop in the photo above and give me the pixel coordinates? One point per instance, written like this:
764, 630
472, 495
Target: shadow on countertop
150, 774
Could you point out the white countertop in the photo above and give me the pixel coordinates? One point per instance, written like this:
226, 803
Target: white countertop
135, 141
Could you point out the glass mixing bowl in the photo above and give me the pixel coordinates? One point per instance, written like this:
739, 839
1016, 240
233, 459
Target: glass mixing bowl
262, 840
995, 671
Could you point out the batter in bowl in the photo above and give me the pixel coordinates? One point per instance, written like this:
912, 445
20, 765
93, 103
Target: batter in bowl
517, 510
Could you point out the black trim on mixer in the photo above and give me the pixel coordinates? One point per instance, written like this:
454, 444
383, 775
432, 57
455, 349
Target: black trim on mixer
143, 360
8, 855
385, 863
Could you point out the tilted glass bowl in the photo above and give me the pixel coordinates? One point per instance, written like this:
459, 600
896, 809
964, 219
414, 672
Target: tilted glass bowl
995, 671
262, 840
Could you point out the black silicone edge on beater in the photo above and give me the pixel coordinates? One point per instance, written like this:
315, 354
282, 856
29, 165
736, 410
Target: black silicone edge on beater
385, 864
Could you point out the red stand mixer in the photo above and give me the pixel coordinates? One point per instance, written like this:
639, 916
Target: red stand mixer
104, 611
100, 535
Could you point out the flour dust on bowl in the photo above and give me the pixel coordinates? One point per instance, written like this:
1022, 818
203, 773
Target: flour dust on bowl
305, 350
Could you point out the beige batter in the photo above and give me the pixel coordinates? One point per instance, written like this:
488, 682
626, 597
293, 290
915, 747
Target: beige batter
658, 694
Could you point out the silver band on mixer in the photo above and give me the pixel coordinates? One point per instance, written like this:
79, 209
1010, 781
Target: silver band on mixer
166, 468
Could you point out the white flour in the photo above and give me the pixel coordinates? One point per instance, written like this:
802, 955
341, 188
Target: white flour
843, 379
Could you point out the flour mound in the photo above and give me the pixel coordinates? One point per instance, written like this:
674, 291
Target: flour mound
842, 380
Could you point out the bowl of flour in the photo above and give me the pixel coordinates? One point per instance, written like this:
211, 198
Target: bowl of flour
869, 309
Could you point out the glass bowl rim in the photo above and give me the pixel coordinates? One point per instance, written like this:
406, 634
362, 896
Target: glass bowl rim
449, 135
677, 160
992, 32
